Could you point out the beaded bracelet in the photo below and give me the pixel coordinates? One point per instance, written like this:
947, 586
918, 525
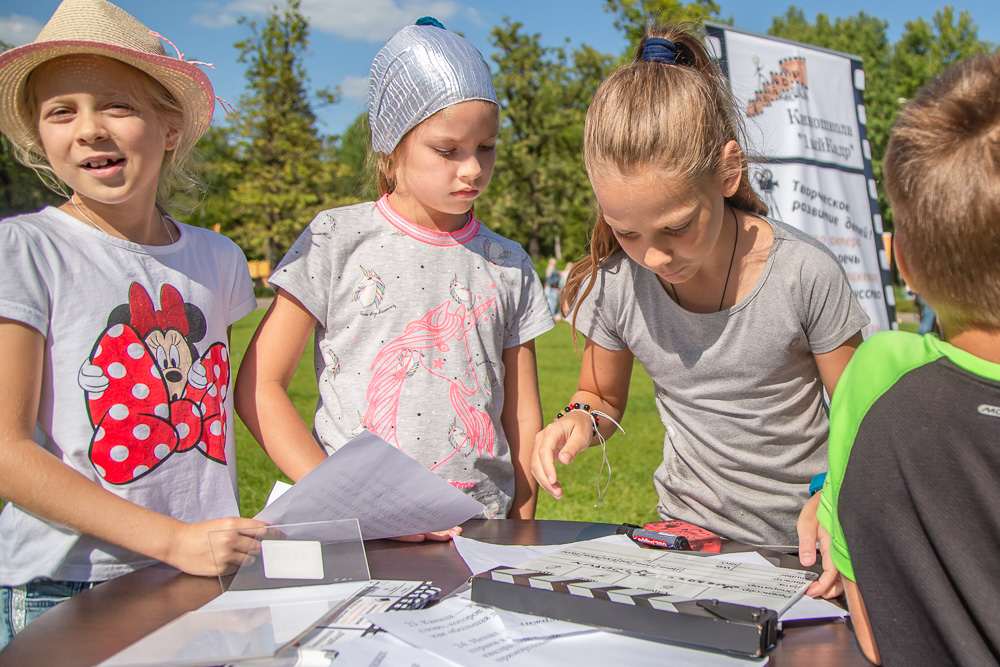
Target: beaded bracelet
576, 407
595, 420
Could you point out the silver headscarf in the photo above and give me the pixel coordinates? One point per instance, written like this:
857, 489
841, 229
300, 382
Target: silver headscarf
420, 71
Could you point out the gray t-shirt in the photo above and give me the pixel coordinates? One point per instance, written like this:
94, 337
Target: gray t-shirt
412, 325
738, 391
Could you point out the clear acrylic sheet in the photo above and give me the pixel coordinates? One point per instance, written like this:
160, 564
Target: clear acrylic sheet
297, 576
294, 555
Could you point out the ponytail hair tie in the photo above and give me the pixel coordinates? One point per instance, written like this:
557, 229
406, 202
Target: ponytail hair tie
430, 20
657, 49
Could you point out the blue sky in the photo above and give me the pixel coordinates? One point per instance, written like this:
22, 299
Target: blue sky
346, 34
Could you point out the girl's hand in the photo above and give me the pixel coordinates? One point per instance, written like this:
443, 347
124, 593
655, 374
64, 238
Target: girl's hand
439, 536
561, 440
811, 531
191, 552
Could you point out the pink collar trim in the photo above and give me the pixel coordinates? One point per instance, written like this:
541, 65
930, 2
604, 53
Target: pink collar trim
424, 235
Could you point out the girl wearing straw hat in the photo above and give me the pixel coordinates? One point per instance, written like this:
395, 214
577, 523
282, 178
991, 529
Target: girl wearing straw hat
424, 318
116, 426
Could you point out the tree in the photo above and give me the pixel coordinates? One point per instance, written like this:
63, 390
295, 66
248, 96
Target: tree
631, 16
540, 190
219, 169
352, 157
282, 174
21, 191
925, 50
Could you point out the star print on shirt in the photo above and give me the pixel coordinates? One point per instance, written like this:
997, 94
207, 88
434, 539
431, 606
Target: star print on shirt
438, 364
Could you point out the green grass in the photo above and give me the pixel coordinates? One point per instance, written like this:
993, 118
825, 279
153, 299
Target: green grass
633, 457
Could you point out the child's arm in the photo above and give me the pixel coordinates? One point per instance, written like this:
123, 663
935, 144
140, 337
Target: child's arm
522, 420
831, 365
39, 483
859, 619
604, 381
262, 400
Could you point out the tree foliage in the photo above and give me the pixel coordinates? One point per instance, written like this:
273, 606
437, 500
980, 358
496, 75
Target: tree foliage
280, 175
356, 178
632, 16
540, 191
21, 191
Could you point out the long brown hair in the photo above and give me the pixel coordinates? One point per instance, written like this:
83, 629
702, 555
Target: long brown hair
647, 113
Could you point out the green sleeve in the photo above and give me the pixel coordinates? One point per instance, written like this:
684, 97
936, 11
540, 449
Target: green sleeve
876, 366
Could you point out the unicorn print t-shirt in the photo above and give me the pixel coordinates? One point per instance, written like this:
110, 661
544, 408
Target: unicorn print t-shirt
412, 328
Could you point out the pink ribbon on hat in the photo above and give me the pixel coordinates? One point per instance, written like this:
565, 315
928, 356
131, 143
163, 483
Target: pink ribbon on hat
226, 106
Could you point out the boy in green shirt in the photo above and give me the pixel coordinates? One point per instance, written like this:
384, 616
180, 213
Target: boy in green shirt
910, 500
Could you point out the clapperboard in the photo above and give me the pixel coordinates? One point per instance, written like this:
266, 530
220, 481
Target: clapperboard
686, 599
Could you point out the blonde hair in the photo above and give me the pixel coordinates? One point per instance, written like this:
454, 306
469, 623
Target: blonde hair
678, 117
385, 167
176, 180
942, 175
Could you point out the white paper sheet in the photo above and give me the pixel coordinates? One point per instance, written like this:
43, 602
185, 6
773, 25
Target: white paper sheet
372, 481
473, 635
277, 491
805, 608
384, 650
483, 556
526, 626
352, 622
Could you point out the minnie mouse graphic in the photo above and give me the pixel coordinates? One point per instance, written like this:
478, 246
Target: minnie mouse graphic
149, 394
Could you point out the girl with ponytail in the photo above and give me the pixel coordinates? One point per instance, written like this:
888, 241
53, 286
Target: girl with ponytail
741, 321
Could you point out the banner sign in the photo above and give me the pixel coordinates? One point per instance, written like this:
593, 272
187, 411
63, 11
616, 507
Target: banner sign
809, 152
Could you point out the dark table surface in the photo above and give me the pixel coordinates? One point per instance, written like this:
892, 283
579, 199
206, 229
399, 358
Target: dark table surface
98, 623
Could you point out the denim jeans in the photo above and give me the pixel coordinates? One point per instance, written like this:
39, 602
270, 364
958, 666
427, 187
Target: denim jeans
20, 605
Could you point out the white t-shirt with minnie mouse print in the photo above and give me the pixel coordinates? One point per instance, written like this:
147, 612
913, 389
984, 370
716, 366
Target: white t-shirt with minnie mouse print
136, 383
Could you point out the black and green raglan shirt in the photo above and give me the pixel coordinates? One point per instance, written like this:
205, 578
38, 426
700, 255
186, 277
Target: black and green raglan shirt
912, 499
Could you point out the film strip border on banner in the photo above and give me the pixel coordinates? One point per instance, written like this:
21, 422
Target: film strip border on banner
716, 37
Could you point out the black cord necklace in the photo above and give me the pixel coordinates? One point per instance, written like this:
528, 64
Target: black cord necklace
725, 288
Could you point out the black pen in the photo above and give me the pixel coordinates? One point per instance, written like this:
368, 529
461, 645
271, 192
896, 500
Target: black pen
652, 538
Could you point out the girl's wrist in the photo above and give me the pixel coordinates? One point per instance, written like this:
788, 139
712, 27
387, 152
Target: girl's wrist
592, 416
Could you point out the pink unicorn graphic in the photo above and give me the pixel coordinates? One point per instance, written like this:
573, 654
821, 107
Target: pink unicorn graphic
427, 344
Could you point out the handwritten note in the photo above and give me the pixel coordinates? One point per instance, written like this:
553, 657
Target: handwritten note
388, 492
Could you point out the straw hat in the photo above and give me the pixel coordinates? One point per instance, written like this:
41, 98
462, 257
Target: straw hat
100, 28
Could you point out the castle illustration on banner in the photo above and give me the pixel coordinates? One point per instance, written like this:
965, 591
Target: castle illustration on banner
790, 83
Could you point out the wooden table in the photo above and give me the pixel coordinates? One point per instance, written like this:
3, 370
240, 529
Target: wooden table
98, 623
